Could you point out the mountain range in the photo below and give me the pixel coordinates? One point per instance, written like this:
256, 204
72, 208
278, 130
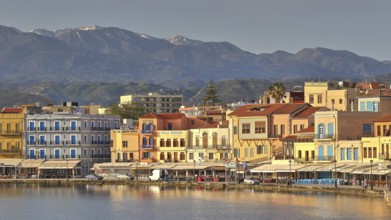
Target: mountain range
94, 55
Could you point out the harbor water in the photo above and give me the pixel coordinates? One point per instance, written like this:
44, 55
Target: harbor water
40, 201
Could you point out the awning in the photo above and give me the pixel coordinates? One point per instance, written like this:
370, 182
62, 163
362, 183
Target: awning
10, 162
163, 166
59, 164
190, 167
31, 163
309, 168
330, 167
378, 172
124, 165
292, 168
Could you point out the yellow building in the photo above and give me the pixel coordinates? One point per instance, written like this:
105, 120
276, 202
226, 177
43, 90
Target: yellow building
11, 133
339, 97
210, 143
172, 145
125, 145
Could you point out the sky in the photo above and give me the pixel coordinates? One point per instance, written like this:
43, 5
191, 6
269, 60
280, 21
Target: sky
257, 26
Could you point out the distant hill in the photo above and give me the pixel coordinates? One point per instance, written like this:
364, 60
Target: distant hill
96, 64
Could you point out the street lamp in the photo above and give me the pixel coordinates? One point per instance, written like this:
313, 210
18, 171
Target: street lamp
335, 173
290, 172
370, 177
136, 170
67, 170
194, 170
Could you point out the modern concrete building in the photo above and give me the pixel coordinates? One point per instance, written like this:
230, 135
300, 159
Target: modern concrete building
155, 102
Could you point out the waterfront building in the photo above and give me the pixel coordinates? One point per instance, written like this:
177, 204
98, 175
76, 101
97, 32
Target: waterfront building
78, 139
251, 131
124, 145
11, 133
155, 102
210, 143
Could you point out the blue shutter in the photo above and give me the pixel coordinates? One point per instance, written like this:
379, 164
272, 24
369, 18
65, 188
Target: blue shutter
32, 141
349, 154
42, 139
42, 154
355, 153
362, 106
73, 153
330, 130
342, 153
32, 127
57, 139
57, 153
73, 125
42, 126
57, 125
321, 152
73, 139
370, 106
330, 152
32, 154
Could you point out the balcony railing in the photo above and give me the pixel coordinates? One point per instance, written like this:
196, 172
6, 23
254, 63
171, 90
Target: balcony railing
14, 151
217, 147
146, 146
324, 136
11, 132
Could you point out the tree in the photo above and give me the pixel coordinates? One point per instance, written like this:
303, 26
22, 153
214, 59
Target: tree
277, 91
211, 93
127, 111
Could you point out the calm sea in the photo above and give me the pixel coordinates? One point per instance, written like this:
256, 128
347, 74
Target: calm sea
153, 202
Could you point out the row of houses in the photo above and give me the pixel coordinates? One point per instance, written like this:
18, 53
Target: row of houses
67, 135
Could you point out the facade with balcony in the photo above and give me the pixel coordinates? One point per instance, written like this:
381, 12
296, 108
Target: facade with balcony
61, 136
11, 133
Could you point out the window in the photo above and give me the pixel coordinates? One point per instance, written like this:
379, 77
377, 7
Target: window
197, 141
182, 156
259, 150
245, 128
168, 143
275, 130
301, 127
214, 139
282, 129
378, 130
294, 129
182, 144
191, 156
124, 143
362, 106
299, 154
311, 99
370, 152
223, 141
342, 153
73, 125
246, 152
205, 140
210, 156
57, 139
367, 129
375, 152
162, 143
235, 129
236, 153
146, 155
340, 101
365, 152
321, 130
175, 142
56, 125
320, 99
169, 126
375, 106
260, 127
252, 152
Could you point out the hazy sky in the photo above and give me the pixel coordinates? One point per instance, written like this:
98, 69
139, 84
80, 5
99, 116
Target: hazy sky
258, 26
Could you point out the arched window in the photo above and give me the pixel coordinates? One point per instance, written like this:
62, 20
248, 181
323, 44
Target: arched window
205, 140
214, 139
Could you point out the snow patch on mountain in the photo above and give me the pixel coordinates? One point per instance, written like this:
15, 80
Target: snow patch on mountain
183, 41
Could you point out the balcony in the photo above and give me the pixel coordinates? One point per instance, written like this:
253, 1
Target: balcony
146, 146
324, 136
12, 151
147, 132
11, 133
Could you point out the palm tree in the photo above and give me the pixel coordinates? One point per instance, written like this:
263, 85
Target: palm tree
277, 91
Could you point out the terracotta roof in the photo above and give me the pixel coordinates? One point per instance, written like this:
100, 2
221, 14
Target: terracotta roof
11, 110
307, 130
213, 112
386, 118
376, 93
307, 112
290, 138
164, 115
256, 110
289, 108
